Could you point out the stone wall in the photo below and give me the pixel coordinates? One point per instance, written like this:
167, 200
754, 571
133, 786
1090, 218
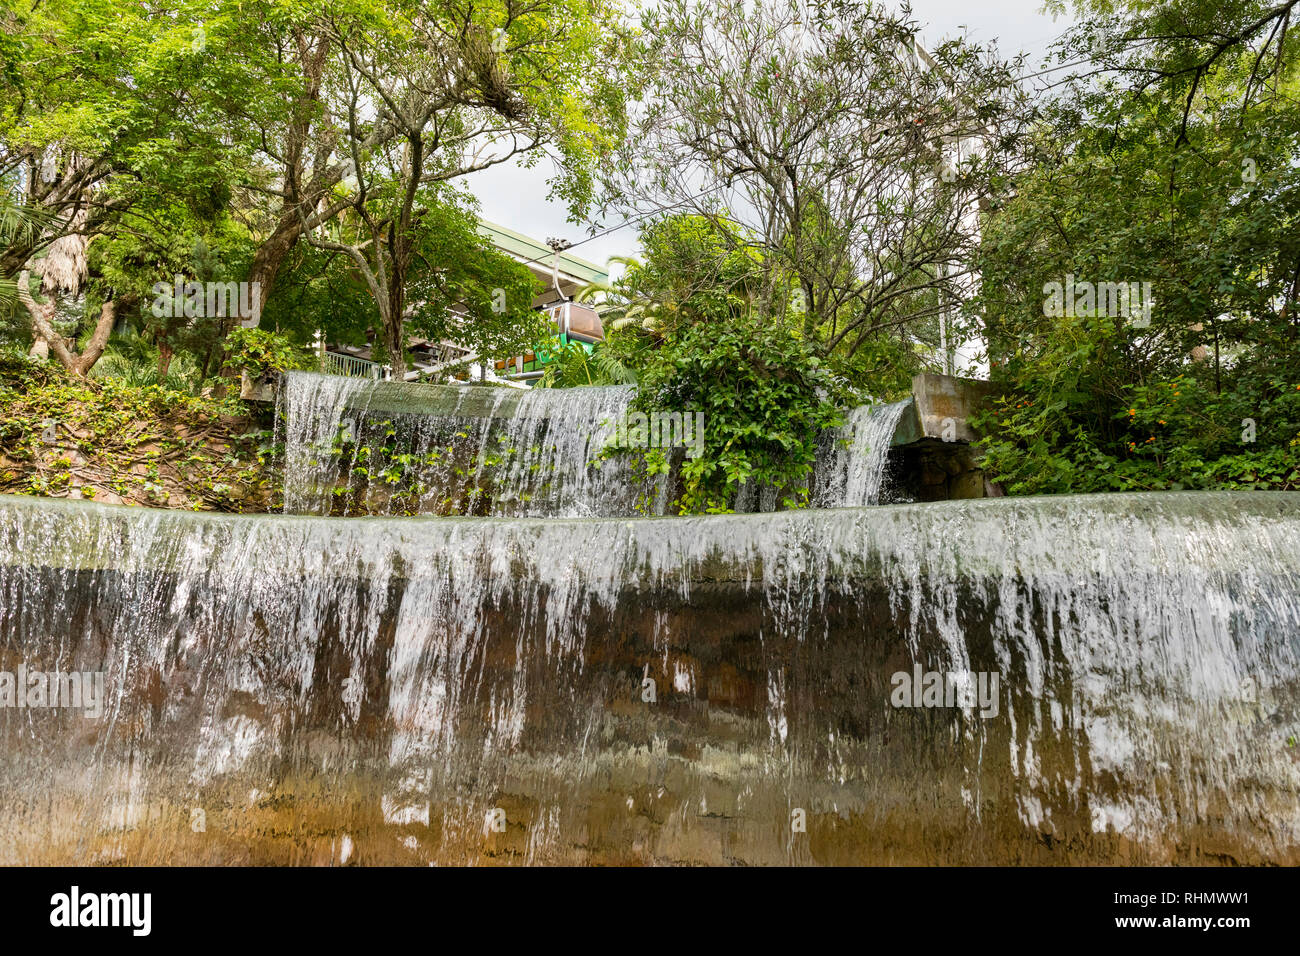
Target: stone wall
933, 470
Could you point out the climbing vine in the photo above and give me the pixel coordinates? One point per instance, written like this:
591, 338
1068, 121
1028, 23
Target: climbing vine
113, 441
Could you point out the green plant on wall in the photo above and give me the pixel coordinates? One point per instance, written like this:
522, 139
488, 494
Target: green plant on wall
262, 351
765, 396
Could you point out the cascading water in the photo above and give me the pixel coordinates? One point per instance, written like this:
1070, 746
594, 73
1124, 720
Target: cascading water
851, 461
469, 450
312, 413
508, 452
457, 690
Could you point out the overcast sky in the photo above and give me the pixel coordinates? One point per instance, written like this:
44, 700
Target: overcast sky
516, 197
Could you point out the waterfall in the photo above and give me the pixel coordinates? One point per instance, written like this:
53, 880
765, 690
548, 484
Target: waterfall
456, 450
311, 416
455, 690
851, 460
474, 450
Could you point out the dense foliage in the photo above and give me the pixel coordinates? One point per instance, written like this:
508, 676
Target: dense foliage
1125, 185
699, 329
765, 396
819, 141
142, 444
317, 153
260, 351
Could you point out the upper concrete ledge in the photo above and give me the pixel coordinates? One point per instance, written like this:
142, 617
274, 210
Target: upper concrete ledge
941, 407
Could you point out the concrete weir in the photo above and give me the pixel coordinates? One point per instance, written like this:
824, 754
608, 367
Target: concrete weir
802, 687
538, 453
941, 405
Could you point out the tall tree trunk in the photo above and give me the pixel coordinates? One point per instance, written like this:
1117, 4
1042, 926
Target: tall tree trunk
395, 328
273, 251
99, 340
304, 186
42, 318
207, 363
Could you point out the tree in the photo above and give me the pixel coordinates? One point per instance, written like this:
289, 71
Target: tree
691, 321
291, 132
461, 88
98, 114
210, 136
1125, 189
464, 291
1176, 47
821, 135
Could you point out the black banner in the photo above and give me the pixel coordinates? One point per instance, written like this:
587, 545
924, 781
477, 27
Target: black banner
518, 907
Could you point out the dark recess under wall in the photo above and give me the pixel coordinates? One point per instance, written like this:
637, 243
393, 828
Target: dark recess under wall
935, 470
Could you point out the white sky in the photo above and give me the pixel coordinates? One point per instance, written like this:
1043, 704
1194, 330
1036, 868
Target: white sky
516, 198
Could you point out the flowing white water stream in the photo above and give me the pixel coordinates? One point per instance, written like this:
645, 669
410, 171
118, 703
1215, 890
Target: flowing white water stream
851, 462
533, 453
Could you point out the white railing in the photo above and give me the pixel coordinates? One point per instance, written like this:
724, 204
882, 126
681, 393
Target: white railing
353, 367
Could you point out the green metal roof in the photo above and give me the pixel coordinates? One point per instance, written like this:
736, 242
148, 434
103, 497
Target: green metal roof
526, 248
